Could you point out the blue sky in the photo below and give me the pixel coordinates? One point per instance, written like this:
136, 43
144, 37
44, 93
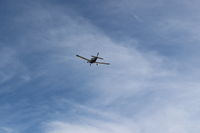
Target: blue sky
151, 86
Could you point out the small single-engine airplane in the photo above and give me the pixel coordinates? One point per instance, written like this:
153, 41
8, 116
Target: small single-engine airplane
93, 60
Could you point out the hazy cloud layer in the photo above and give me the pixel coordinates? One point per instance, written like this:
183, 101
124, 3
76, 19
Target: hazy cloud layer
152, 84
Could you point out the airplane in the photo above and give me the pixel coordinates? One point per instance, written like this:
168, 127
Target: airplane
93, 59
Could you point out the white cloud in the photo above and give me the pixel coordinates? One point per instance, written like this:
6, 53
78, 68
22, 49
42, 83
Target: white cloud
10, 64
167, 120
93, 127
6, 130
131, 73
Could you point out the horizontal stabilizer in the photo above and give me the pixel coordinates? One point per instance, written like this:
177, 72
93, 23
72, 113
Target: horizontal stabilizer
98, 57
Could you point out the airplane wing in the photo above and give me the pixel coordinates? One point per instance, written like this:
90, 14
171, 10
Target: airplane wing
102, 63
82, 57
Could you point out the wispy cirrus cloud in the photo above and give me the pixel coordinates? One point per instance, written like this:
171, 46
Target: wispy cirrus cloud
146, 87
141, 91
6, 130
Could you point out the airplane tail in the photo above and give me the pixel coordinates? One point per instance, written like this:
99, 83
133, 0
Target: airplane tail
97, 56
